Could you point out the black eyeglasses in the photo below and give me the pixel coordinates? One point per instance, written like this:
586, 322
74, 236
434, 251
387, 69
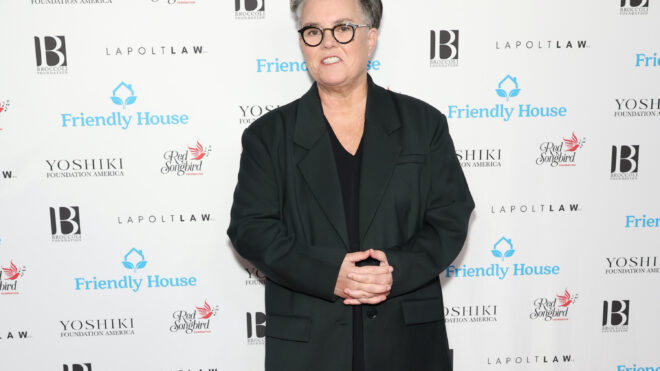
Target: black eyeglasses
343, 33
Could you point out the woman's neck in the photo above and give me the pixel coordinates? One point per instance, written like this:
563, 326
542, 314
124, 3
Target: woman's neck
349, 100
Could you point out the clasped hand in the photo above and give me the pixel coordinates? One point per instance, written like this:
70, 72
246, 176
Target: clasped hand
367, 284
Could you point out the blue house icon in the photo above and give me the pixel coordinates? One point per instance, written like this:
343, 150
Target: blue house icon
503, 248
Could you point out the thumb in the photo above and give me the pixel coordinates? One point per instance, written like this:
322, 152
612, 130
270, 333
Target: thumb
357, 256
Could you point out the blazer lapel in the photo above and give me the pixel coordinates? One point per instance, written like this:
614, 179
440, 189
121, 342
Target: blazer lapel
381, 149
317, 166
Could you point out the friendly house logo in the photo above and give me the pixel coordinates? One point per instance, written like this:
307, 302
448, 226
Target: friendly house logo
503, 251
508, 88
135, 262
124, 97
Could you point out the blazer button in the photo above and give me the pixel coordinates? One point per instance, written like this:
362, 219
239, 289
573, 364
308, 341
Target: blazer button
372, 312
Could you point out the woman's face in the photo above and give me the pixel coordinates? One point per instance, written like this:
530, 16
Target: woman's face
333, 64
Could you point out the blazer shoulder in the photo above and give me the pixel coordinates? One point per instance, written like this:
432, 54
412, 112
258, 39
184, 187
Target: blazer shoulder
417, 107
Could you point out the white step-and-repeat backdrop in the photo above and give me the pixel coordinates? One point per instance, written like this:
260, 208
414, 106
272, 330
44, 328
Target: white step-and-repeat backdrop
120, 125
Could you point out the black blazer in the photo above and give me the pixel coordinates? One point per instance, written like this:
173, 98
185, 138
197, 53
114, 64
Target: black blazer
287, 219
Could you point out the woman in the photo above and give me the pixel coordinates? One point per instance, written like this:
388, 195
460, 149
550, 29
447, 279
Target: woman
350, 192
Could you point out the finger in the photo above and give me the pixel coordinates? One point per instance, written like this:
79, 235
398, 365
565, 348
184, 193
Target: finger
359, 294
373, 269
380, 279
378, 255
372, 288
374, 300
357, 256
352, 302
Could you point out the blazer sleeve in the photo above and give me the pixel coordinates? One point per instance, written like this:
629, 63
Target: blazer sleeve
440, 239
260, 236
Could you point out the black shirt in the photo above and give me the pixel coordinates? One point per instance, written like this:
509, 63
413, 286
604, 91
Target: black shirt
348, 170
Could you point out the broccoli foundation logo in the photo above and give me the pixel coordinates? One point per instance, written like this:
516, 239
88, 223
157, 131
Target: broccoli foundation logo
256, 328
9, 278
616, 314
124, 96
444, 48
634, 7
625, 162
65, 224
250, 9
197, 321
187, 162
51, 55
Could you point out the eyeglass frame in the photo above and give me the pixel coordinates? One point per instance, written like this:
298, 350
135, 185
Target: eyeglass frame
332, 31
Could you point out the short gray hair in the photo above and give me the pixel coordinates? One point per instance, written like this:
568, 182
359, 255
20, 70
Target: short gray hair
371, 9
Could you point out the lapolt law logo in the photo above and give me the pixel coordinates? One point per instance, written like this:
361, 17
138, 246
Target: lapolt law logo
186, 162
123, 95
9, 277
196, 321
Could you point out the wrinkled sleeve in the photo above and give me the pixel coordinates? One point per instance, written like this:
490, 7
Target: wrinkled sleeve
440, 239
260, 236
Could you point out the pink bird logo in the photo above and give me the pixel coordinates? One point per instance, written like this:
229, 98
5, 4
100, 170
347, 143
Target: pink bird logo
197, 151
205, 312
12, 272
572, 144
566, 299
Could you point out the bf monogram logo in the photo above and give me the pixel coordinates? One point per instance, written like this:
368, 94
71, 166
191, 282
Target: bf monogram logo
444, 44
616, 312
625, 159
65, 220
256, 327
249, 5
50, 51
